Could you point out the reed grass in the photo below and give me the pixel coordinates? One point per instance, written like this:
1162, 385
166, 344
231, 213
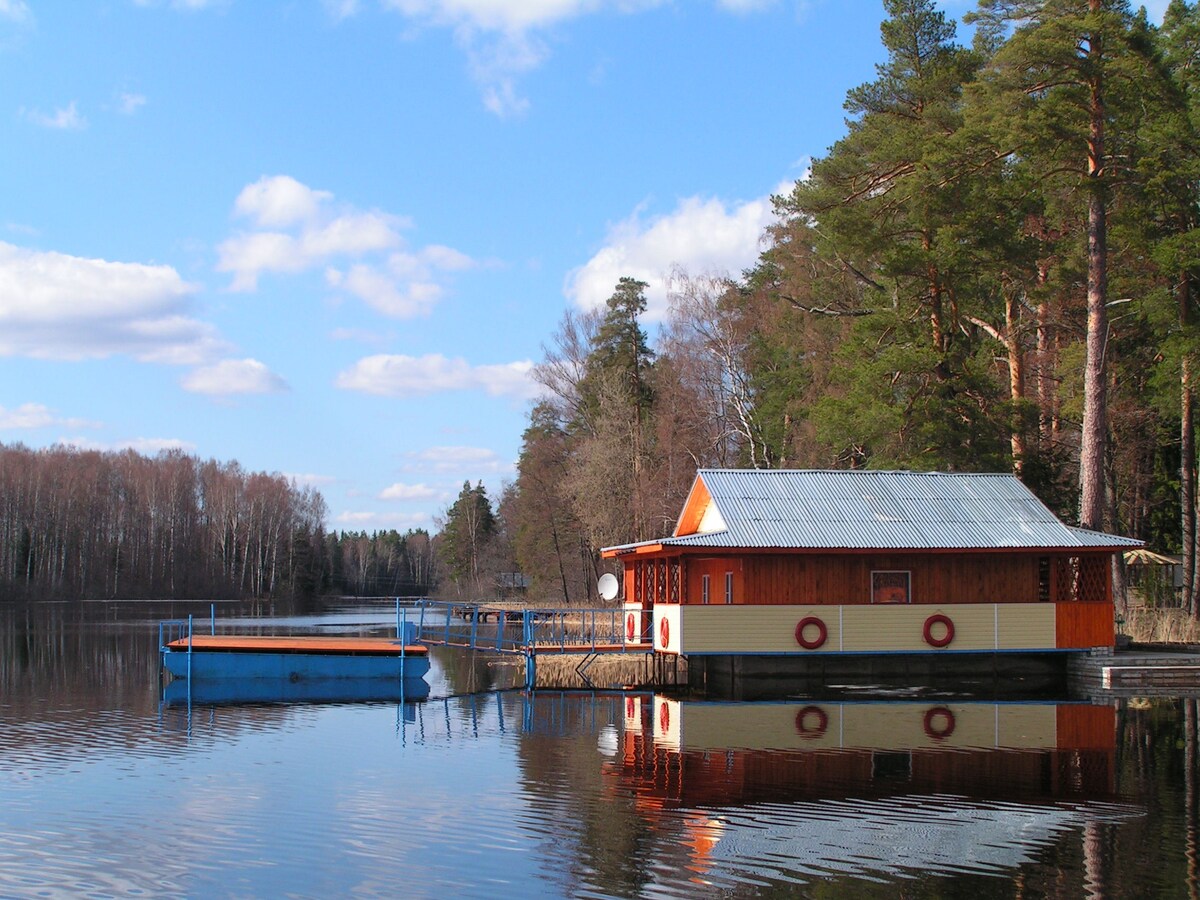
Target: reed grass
614, 671
1160, 625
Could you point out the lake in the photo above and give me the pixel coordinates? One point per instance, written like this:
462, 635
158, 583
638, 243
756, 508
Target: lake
112, 787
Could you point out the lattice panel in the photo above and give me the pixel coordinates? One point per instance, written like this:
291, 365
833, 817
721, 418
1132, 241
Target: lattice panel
1068, 579
1093, 581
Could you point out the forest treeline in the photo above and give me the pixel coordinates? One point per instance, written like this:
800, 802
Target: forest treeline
995, 269
102, 525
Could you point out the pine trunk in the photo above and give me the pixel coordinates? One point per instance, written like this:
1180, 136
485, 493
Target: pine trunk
1095, 386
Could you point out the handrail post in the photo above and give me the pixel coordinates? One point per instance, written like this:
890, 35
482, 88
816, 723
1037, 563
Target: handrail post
189, 650
212, 618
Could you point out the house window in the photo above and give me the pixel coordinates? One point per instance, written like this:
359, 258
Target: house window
728, 587
705, 588
891, 587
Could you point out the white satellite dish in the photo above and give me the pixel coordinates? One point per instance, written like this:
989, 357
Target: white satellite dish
607, 586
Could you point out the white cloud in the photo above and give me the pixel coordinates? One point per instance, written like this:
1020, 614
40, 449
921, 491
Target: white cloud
340, 9
499, 36
457, 460
64, 119
234, 376
384, 520
143, 445
309, 479
410, 492
56, 306
395, 375
128, 104
300, 229
186, 5
37, 415
278, 201
382, 293
699, 236
15, 11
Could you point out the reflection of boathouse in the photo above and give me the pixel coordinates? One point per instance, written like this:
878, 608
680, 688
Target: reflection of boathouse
850, 563
813, 791
698, 753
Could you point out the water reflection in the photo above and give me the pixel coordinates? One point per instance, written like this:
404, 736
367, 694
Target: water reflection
802, 791
105, 789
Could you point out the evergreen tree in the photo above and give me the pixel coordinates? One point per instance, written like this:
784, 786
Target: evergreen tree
469, 528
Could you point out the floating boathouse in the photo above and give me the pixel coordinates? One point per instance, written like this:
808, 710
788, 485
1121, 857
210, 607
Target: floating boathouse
775, 572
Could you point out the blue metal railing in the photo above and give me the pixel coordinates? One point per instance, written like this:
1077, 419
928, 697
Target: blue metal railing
505, 630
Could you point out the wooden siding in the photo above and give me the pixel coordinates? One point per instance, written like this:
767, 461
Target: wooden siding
715, 568
1085, 625
845, 579
857, 629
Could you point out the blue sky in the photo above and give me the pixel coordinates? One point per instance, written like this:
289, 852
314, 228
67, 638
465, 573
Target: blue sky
329, 238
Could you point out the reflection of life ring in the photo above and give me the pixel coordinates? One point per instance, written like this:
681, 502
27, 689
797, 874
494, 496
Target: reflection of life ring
822, 633
664, 633
630, 707
630, 627
811, 722
938, 619
939, 723
664, 718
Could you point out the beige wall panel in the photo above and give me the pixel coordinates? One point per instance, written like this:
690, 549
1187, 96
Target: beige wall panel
766, 726
1026, 626
1033, 727
869, 628
860, 629
752, 629
871, 726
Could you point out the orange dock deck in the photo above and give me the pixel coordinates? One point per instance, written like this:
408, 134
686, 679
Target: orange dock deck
333, 646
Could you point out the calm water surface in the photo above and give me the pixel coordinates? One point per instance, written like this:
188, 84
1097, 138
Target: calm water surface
111, 787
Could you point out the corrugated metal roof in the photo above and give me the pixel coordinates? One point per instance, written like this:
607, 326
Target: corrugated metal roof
863, 510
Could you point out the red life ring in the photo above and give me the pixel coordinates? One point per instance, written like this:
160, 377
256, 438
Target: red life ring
943, 728
664, 633
630, 627
817, 728
822, 633
938, 619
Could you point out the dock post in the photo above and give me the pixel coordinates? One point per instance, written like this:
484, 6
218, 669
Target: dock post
189, 653
212, 618
402, 629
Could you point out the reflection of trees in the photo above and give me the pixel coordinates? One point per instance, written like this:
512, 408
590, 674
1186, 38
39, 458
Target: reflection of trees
1156, 759
603, 839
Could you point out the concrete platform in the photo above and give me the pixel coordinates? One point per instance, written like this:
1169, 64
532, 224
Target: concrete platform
1138, 673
